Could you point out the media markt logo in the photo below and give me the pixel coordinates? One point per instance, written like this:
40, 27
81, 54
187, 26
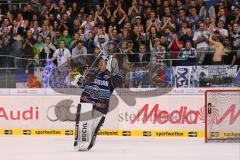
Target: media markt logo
157, 115
183, 115
65, 110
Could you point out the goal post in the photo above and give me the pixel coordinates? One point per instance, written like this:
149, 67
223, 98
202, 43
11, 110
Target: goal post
222, 116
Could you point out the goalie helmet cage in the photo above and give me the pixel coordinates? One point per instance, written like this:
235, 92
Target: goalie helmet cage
222, 116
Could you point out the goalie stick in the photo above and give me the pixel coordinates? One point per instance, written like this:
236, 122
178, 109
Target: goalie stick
77, 125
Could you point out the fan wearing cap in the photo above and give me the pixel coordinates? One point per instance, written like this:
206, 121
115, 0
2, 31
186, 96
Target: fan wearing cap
101, 41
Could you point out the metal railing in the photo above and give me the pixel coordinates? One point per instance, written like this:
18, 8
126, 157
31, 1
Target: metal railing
7, 77
21, 3
134, 74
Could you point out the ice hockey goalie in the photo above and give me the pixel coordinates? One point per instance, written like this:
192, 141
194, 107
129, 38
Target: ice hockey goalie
97, 90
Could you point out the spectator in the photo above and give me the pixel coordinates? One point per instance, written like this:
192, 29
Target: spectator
168, 34
73, 44
138, 37
142, 56
231, 55
99, 19
65, 37
138, 22
64, 24
152, 35
208, 11
153, 21
222, 15
216, 41
76, 25
90, 43
189, 53
62, 55
55, 25
88, 25
125, 35
158, 7
44, 31
101, 31
168, 14
119, 12
79, 53
221, 29
200, 39
38, 47
134, 9
236, 15
140, 74
194, 18
28, 14
175, 46
182, 19
5, 23
186, 35
56, 37
111, 48
168, 24
18, 45
47, 52
15, 28
129, 47
28, 46
14, 10
124, 47
158, 51
113, 35
5, 40
101, 42
235, 36
5, 47
163, 41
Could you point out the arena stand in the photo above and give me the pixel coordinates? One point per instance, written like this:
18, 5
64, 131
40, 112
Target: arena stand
162, 43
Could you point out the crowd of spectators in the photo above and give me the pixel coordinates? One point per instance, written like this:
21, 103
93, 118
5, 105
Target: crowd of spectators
161, 29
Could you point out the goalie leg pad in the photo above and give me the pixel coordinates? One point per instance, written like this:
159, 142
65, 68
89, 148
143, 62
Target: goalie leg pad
98, 122
87, 130
84, 128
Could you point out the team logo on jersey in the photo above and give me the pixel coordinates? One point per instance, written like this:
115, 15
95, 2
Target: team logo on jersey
106, 77
95, 92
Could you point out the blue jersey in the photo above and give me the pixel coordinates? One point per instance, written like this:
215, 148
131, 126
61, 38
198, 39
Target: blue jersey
97, 89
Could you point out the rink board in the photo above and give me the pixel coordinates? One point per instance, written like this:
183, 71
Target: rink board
135, 133
179, 113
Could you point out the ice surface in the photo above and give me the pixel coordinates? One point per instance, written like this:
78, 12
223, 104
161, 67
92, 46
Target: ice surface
116, 148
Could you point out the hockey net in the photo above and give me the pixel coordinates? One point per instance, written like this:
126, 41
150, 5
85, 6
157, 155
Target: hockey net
222, 116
